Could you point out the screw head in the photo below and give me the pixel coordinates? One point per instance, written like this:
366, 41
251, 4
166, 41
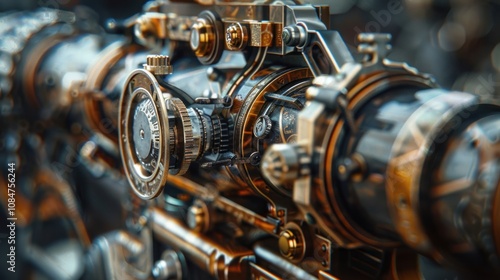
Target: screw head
289, 244
286, 36
236, 36
294, 36
262, 127
323, 248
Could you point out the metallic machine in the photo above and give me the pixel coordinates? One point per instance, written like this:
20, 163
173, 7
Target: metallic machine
238, 140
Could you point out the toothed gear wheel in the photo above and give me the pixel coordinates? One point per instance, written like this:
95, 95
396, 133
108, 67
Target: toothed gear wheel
205, 130
185, 139
158, 64
216, 136
224, 137
230, 129
172, 135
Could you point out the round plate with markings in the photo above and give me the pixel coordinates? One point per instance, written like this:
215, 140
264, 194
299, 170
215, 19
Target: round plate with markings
144, 134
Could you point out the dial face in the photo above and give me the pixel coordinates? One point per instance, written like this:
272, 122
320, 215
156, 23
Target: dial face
288, 125
144, 134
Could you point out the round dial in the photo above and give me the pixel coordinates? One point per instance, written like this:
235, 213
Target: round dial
144, 134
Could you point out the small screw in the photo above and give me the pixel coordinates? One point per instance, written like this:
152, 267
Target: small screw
227, 101
263, 127
294, 35
323, 248
236, 36
310, 219
286, 36
255, 158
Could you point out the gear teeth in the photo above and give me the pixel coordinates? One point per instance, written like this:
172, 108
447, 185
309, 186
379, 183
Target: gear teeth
204, 127
188, 154
230, 129
221, 135
171, 139
224, 138
216, 136
158, 64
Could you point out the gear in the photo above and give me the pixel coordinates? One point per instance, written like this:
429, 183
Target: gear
188, 154
216, 134
144, 135
224, 138
206, 133
158, 65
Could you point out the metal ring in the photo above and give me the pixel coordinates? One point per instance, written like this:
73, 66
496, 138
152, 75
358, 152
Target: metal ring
146, 186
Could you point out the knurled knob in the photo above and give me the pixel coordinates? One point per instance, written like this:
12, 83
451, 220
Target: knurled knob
236, 36
185, 138
158, 64
262, 127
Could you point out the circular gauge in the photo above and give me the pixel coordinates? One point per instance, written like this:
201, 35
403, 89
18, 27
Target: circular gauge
144, 134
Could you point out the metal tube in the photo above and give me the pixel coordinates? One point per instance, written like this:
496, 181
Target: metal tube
217, 256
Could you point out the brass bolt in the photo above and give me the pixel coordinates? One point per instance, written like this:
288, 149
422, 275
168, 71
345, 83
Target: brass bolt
206, 38
236, 36
290, 244
323, 248
202, 37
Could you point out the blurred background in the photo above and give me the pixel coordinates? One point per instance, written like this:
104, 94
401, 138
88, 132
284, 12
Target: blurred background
458, 41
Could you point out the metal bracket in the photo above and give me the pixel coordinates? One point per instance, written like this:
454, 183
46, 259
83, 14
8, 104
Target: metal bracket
324, 50
376, 47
